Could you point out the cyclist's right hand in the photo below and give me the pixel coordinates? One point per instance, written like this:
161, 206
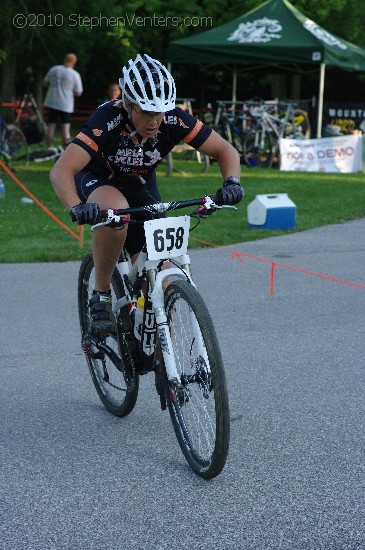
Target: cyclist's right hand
231, 192
85, 213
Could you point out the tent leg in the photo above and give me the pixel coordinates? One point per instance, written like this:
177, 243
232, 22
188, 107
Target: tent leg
320, 100
234, 86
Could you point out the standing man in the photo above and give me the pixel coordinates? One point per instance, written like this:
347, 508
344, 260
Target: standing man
63, 83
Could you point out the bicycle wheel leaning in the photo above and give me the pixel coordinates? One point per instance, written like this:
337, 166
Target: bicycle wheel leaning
298, 126
14, 144
234, 134
258, 147
198, 407
111, 363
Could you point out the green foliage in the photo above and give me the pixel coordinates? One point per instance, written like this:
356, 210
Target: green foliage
343, 18
57, 28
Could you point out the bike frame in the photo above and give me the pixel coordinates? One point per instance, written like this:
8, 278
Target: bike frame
156, 278
274, 124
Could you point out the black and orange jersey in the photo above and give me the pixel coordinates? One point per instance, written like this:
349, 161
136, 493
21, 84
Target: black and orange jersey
117, 149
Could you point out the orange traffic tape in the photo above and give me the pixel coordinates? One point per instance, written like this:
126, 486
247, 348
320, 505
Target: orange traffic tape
238, 255
44, 208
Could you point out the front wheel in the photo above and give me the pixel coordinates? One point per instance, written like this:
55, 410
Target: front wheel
198, 406
111, 360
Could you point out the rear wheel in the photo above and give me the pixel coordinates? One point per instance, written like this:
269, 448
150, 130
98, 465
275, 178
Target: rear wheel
15, 145
199, 405
110, 360
257, 147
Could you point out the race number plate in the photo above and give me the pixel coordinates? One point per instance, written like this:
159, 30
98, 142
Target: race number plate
167, 237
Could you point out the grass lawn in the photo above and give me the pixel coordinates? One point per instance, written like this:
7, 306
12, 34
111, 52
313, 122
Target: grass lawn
28, 234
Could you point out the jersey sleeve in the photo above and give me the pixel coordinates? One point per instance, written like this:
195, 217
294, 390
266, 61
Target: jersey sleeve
192, 130
93, 134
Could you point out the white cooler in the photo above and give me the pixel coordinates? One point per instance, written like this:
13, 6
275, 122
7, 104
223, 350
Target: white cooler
275, 211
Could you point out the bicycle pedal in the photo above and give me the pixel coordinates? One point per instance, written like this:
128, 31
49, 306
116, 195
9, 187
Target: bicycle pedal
86, 346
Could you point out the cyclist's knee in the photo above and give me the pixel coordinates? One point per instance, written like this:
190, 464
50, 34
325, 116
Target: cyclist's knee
107, 196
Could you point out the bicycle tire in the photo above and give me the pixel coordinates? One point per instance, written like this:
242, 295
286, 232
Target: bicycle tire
117, 388
233, 134
199, 408
258, 147
298, 126
14, 144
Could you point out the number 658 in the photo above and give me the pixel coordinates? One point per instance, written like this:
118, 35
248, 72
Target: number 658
174, 238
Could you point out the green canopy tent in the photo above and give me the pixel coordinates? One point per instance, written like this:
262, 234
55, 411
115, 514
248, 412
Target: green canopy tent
274, 34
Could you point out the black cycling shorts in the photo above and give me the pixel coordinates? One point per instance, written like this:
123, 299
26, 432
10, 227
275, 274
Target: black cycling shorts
53, 116
86, 182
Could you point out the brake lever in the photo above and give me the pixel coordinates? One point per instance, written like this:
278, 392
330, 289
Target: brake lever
227, 207
113, 220
210, 206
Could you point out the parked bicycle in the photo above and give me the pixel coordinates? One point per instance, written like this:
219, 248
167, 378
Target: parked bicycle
261, 146
13, 144
176, 339
231, 122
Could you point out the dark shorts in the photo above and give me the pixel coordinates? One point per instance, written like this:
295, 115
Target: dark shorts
53, 115
87, 182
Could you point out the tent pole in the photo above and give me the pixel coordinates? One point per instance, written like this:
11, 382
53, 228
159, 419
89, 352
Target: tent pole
234, 86
320, 100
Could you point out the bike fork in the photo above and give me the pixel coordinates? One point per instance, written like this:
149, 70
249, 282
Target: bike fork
157, 298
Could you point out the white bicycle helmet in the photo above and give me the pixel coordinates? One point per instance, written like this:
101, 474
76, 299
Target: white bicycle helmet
149, 84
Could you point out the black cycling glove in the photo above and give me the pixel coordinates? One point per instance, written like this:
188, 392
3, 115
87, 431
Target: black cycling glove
85, 213
231, 192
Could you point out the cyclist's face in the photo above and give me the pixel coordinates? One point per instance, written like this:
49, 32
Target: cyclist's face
146, 123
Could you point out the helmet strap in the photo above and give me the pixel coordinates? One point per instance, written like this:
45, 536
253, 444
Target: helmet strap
127, 106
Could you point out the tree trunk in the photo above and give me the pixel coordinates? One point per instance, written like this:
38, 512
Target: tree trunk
295, 85
7, 90
278, 86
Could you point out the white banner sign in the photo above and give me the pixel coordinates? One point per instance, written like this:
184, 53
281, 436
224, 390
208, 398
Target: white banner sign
334, 154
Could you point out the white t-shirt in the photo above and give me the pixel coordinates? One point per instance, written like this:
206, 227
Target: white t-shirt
63, 83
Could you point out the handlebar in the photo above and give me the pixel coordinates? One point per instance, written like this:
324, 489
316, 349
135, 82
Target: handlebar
118, 217
157, 208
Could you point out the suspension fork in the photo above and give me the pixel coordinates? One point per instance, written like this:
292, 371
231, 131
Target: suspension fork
157, 298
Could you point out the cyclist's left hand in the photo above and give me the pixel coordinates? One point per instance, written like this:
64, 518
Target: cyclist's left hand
231, 192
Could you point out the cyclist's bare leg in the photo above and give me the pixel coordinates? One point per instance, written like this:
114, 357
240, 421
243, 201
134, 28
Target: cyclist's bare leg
107, 242
66, 133
50, 133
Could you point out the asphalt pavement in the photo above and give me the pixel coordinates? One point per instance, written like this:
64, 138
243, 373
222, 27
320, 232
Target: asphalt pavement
74, 477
